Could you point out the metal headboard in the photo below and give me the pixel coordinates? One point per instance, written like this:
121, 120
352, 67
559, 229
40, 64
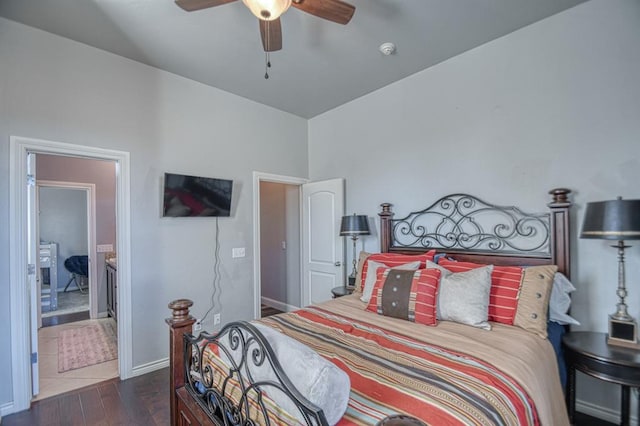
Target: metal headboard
470, 227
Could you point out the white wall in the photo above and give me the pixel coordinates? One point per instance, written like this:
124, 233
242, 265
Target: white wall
556, 104
55, 89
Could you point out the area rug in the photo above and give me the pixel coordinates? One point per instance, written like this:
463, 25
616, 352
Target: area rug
87, 345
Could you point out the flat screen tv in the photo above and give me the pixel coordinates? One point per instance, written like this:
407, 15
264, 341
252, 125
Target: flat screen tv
191, 196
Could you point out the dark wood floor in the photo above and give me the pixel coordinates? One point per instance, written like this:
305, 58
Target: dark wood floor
268, 311
142, 400
64, 319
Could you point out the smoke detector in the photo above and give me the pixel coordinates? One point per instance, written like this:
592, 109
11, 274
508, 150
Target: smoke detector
387, 48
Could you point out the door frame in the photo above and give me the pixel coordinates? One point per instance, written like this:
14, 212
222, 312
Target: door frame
90, 191
257, 178
19, 148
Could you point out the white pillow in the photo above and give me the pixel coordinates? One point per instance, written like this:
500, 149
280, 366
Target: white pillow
463, 297
560, 300
372, 273
317, 379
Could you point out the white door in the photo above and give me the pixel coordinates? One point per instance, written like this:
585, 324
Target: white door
33, 262
323, 248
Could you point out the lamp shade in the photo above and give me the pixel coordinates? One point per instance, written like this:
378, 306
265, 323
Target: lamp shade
354, 225
267, 10
612, 220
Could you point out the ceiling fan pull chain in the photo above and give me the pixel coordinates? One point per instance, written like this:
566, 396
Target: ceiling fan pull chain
267, 65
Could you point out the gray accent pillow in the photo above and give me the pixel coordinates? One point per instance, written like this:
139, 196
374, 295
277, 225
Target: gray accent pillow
464, 296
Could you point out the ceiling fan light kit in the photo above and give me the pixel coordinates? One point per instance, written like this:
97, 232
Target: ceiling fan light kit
267, 10
268, 13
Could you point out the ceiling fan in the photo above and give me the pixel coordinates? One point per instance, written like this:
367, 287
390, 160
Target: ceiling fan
268, 13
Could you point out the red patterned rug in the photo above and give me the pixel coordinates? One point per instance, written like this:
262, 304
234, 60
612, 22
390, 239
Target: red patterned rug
87, 345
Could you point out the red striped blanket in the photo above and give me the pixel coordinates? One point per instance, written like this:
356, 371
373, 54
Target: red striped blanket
450, 374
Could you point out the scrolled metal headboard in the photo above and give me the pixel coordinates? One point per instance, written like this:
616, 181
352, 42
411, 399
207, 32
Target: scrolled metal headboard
466, 225
465, 222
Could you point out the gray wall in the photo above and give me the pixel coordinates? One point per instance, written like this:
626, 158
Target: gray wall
554, 104
55, 89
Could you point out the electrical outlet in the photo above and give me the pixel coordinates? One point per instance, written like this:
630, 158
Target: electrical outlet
216, 319
197, 326
238, 252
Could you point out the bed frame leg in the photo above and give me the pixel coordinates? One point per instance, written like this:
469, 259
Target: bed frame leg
180, 324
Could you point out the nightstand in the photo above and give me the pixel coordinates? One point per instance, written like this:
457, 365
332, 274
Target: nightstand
589, 353
341, 291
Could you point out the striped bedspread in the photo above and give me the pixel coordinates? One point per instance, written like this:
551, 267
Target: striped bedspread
446, 375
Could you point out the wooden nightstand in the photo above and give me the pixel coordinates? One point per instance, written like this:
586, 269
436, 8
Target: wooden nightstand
341, 291
589, 353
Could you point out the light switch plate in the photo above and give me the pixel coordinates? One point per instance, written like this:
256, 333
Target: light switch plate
104, 248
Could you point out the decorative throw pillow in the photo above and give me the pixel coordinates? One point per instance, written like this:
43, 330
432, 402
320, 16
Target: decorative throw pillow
408, 295
533, 302
362, 258
392, 260
505, 285
373, 267
464, 296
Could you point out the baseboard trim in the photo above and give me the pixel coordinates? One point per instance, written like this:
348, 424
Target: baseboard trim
6, 409
603, 413
150, 367
275, 304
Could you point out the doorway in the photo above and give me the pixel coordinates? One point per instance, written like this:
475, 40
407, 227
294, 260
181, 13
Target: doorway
320, 206
23, 288
66, 231
279, 247
72, 307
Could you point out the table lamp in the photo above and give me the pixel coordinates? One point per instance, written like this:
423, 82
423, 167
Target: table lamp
616, 220
354, 226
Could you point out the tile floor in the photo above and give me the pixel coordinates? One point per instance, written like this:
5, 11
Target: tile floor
54, 383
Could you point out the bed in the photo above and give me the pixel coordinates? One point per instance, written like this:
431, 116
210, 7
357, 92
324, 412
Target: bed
440, 370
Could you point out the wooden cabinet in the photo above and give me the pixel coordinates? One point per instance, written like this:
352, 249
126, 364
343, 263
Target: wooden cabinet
112, 291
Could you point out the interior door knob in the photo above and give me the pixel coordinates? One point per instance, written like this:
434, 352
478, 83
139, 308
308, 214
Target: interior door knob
338, 263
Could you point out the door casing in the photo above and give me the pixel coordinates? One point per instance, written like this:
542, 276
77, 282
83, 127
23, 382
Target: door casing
90, 190
289, 180
257, 178
19, 148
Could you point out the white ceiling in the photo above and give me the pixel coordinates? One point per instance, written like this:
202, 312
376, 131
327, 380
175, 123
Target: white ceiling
322, 64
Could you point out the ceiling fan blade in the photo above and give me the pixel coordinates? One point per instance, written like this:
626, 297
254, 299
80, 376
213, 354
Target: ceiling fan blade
191, 5
331, 10
271, 33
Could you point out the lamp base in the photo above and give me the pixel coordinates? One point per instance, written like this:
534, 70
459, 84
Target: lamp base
351, 281
623, 333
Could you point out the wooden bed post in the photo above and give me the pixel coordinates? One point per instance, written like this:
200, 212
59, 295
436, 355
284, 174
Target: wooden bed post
179, 324
385, 227
560, 253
